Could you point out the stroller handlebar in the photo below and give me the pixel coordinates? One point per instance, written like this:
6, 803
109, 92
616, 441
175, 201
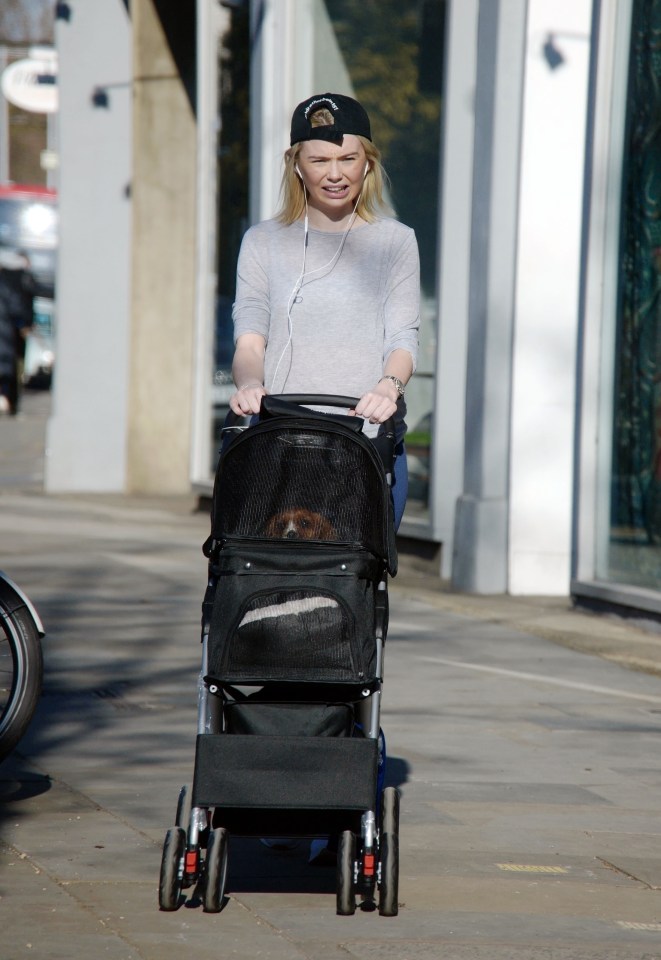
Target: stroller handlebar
314, 399
385, 442
318, 399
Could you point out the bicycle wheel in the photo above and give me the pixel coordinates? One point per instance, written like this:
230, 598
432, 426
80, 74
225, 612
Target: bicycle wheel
21, 670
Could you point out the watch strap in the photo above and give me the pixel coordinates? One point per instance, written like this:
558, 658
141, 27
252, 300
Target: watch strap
398, 383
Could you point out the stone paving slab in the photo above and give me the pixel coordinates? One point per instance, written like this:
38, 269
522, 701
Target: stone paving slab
516, 758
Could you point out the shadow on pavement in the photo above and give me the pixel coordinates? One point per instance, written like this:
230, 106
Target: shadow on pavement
19, 783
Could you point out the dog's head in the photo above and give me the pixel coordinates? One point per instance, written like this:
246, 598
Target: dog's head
299, 524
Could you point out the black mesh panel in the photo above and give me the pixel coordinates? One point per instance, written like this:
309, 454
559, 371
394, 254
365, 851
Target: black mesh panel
292, 634
293, 612
332, 477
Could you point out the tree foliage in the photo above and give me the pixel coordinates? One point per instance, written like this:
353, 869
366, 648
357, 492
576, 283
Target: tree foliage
393, 52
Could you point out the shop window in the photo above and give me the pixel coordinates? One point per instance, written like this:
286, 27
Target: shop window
232, 159
392, 54
634, 550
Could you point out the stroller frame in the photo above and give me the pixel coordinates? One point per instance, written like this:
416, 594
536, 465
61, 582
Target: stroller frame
298, 790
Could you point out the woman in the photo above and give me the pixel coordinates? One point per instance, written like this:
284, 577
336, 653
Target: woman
328, 292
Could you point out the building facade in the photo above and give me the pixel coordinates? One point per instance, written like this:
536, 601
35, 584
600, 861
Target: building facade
520, 141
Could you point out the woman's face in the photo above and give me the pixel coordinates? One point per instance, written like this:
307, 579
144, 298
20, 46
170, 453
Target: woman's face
333, 174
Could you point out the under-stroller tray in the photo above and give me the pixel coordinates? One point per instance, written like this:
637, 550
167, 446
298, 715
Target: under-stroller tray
269, 773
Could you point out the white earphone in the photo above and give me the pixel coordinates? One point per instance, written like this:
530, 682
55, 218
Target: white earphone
307, 276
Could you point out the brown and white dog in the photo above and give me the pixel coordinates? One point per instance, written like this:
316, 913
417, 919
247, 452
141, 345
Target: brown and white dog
299, 524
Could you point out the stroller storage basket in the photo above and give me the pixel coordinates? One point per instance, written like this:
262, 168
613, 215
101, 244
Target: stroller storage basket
295, 612
313, 773
256, 717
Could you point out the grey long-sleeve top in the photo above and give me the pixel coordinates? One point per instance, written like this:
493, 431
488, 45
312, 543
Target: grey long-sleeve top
351, 312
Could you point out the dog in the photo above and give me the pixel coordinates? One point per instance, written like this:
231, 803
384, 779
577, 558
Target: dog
299, 524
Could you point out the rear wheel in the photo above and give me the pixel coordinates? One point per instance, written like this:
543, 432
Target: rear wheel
346, 888
389, 853
172, 867
216, 871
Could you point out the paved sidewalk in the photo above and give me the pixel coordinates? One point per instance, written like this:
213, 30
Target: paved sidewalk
636, 645
529, 770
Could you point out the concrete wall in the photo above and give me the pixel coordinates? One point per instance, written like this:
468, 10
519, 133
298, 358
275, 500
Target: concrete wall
121, 417
164, 256
87, 430
454, 272
480, 542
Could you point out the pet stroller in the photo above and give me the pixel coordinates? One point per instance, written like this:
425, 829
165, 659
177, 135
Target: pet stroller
294, 622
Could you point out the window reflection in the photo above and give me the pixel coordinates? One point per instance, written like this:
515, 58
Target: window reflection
393, 56
232, 211
634, 554
389, 56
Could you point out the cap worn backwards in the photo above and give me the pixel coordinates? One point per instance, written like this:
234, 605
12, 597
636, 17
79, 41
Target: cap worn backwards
349, 116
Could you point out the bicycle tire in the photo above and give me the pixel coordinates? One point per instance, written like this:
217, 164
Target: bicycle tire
21, 669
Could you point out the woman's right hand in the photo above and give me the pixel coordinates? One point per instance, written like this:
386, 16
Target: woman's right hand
247, 399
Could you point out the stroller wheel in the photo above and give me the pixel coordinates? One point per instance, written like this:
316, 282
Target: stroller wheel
346, 888
182, 819
216, 871
172, 868
389, 853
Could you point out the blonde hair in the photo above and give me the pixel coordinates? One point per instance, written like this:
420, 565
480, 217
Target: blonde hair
292, 191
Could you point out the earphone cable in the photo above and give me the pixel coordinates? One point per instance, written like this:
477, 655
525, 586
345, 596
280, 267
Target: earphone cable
303, 276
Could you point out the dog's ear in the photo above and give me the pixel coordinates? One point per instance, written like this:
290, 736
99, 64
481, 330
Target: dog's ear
270, 530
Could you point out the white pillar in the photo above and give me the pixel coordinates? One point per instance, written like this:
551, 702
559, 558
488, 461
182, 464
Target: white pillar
481, 529
87, 432
547, 298
454, 273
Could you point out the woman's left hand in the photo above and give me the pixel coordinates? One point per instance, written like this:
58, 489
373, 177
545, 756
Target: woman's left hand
378, 404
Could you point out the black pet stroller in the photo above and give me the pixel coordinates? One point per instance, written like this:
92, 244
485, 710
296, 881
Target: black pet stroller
294, 623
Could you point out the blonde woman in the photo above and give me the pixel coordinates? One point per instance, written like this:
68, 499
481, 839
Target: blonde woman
328, 292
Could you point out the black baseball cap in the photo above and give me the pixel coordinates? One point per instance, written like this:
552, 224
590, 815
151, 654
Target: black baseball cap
349, 116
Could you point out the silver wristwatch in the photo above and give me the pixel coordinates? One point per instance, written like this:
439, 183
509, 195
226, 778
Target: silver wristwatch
398, 383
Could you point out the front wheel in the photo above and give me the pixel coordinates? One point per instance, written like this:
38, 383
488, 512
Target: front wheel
182, 817
388, 872
346, 887
21, 670
216, 871
172, 869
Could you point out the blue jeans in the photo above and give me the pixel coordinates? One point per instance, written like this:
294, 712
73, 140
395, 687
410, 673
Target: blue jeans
400, 483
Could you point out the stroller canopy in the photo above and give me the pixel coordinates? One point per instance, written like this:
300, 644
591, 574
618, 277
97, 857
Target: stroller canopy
288, 469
